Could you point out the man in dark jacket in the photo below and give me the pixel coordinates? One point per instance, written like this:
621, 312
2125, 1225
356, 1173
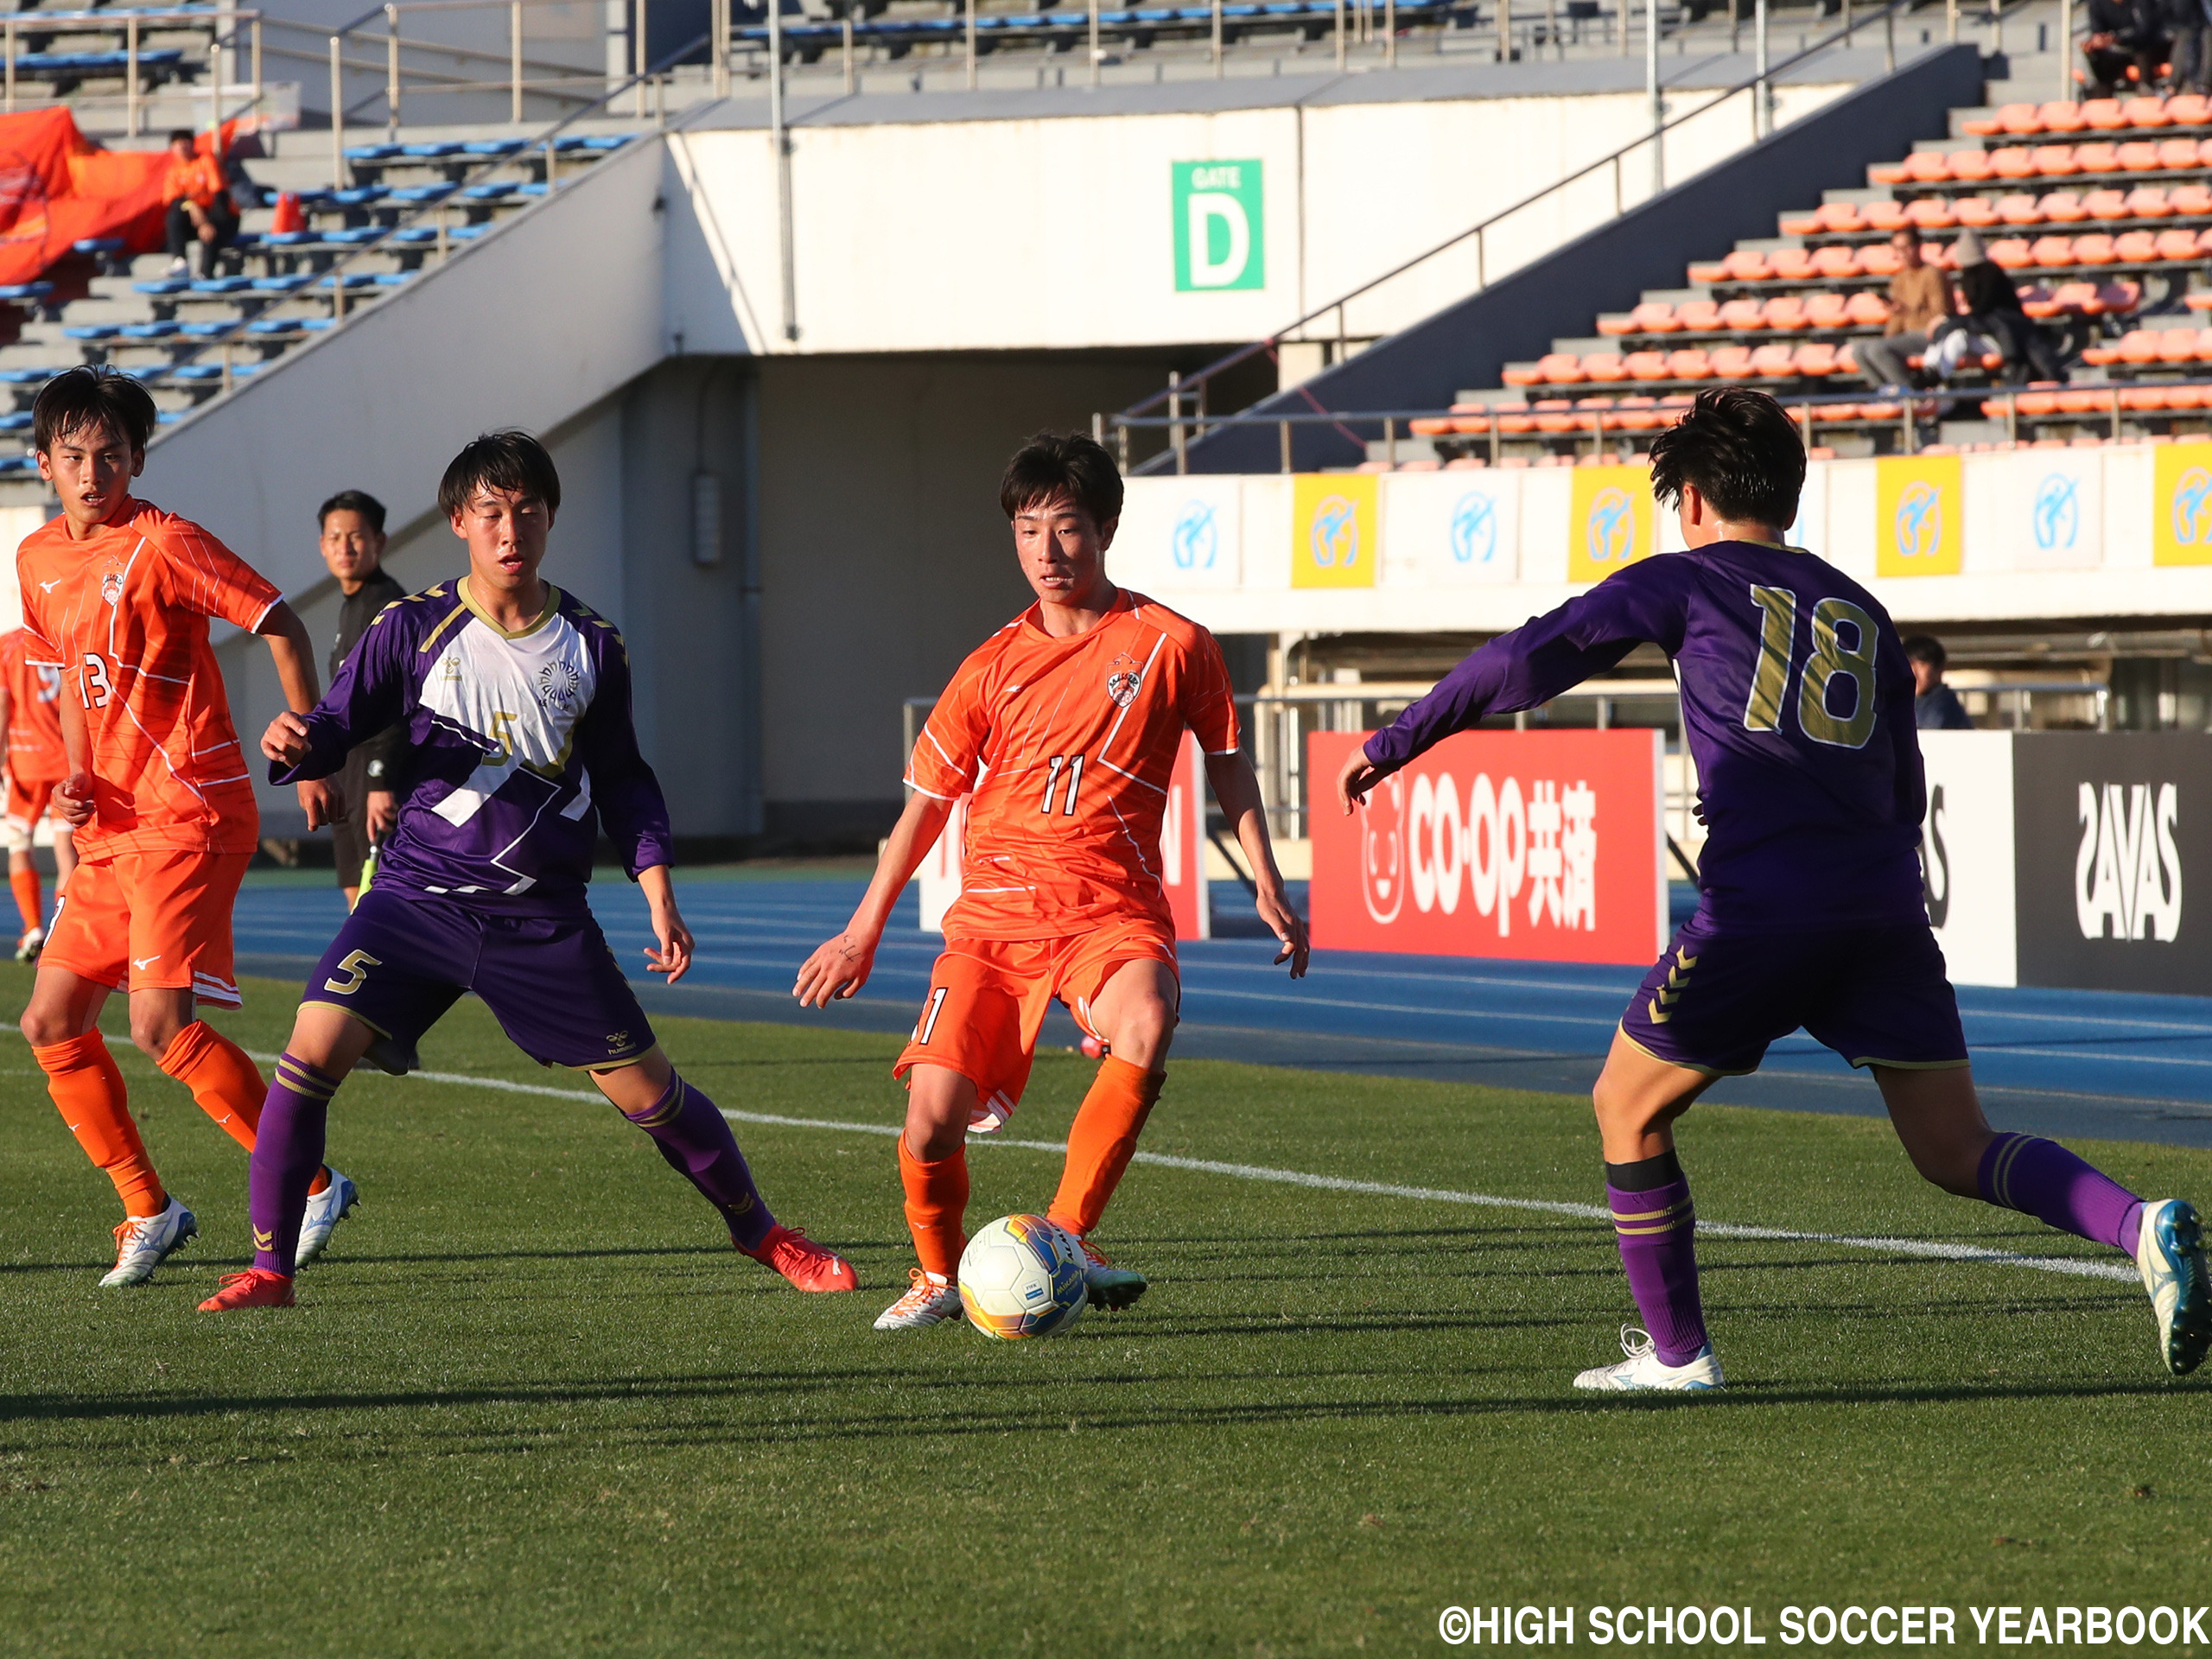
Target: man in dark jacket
352, 546
1993, 310
1935, 707
2123, 33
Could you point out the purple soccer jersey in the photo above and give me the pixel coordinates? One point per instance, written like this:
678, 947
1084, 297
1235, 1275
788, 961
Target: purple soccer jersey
518, 746
1797, 706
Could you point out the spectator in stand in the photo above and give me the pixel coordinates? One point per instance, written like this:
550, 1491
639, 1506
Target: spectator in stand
1991, 308
2123, 33
352, 546
2188, 25
199, 205
1935, 707
1920, 298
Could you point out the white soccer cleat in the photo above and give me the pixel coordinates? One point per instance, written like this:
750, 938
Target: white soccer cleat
143, 1245
931, 1299
1645, 1369
325, 1211
32, 941
1111, 1288
2170, 1254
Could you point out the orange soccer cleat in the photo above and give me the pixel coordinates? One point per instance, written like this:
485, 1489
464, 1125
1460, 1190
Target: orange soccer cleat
806, 1263
255, 1287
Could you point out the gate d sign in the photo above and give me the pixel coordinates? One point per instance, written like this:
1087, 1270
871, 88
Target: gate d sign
1220, 226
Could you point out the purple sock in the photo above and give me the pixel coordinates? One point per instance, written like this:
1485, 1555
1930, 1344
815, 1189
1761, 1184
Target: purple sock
694, 1139
286, 1152
1655, 1227
2042, 1179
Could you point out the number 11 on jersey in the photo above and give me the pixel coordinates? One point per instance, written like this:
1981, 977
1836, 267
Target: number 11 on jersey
1073, 766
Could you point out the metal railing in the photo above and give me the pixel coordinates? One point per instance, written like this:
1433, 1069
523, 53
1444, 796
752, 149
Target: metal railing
1758, 86
223, 24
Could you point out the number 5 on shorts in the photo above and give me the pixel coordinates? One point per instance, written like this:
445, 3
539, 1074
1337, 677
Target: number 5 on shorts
351, 972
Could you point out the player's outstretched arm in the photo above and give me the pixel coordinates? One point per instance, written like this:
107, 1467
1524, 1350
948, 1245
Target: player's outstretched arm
293, 654
1238, 791
674, 956
840, 966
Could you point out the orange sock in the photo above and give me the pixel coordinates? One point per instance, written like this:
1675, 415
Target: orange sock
227, 1084
1103, 1141
82, 1077
25, 883
936, 1204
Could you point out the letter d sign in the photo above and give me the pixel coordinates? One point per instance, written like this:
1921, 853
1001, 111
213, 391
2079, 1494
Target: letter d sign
1220, 222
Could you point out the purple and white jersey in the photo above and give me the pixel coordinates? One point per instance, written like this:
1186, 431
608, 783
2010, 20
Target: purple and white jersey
514, 741
1797, 706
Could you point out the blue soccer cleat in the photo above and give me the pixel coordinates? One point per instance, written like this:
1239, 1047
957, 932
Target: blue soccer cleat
2169, 1253
1643, 1370
143, 1244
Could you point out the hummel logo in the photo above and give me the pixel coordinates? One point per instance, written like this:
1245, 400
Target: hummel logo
264, 1241
140, 962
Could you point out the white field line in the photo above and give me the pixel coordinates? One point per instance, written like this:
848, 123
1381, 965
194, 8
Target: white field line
1927, 1248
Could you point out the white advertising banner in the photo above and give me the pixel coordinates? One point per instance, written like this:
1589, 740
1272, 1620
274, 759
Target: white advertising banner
1965, 851
1178, 534
2037, 510
1451, 530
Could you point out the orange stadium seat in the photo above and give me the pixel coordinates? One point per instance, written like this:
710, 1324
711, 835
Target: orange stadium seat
1842, 217
1587, 412
2116, 299
1636, 415
2139, 157
1864, 307
1470, 418
1803, 226
2184, 396
2105, 204
2038, 403
2011, 252
1730, 362
2014, 117
2149, 201
2204, 152
2097, 158
1516, 422
2049, 251
1689, 364
2019, 210
2053, 161
1434, 426
1880, 411
1699, 317
1654, 317
1979, 211
1702, 274
2062, 115
2198, 299
1522, 374
1604, 366
1938, 254
2135, 248
1817, 358
1561, 369
2189, 109
2014, 161
1616, 326
2202, 353
2081, 400
2146, 112
1882, 215
1743, 313
1836, 260
1554, 414
2177, 152
1747, 265
1786, 311
2104, 115
1927, 166
1646, 366
2080, 298
1836, 412
2093, 251
1886, 172
2036, 301
1880, 260
1775, 362
2138, 346
1792, 265
2175, 245
1931, 214
2062, 207
1823, 311
1971, 166
2101, 357
2192, 199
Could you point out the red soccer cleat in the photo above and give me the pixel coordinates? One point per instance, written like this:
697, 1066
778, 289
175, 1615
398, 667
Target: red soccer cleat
255, 1287
806, 1263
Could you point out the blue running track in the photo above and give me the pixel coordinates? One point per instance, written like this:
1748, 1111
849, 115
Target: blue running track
2066, 1062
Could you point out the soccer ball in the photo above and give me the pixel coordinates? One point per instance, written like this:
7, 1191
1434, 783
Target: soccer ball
1023, 1276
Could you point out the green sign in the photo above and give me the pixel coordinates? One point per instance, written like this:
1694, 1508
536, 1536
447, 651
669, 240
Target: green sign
1220, 226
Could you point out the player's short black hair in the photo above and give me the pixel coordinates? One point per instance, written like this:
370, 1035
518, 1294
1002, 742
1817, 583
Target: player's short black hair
82, 399
501, 460
1069, 464
360, 501
185, 133
1740, 450
1925, 648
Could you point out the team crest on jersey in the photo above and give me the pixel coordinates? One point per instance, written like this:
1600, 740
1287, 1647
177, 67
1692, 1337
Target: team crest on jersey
111, 586
557, 685
1123, 677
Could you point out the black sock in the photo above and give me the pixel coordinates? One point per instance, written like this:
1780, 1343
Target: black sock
1646, 1174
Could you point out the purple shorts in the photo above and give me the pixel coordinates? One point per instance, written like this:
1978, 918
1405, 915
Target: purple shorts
404, 959
1876, 995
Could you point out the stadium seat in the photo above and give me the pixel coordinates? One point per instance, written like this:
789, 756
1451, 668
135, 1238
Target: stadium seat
2105, 204
2175, 245
2093, 251
1880, 260
2051, 162
2145, 112
1883, 216
1841, 218
1802, 226
2185, 397
1604, 366
1832, 412
1773, 362
2116, 299
1703, 275
1867, 308
1836, 261
1977, 212
1522, 374
2198, 299
2177, 153
1554, 414
1646, 365
1616, 326
1791, 265
1747, 265
1931, 214
2014, 162
2019, 210
1970, 166
1516, 423
1817, 358
494, 149
2190, 199
1927, 166
1730, 362
1689, 363
2137, 157
1743, 313
2135, 248
2047, 252
2037, 301
147, 331
2104, 115
2184, 346
2081, 400
1886, 172
2061, 116
1655, 317
2009, 117
1560, 369
2189, 109
1788, 311
2062, 208
1638, 414
2148, 201
1699, 317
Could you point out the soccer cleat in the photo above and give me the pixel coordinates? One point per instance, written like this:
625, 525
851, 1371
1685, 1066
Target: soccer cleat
391, 1056
2169, 1253
1111, 1288
28, 946
1644, 1370
799, 1259
325, 1211
255, 1287
143, 1244
930, 1299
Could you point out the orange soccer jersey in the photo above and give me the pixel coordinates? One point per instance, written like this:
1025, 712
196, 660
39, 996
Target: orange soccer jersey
124, 615
1069, 746
34, 751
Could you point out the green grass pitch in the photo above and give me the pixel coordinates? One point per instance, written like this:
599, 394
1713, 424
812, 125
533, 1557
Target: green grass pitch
531, 1403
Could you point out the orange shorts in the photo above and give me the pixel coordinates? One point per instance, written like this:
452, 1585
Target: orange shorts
151, 921
27, 805
987, 998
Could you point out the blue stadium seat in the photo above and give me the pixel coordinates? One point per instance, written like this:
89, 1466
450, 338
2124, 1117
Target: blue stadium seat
363, 195
150, 373
395, 278
495, 148
417, 236
27, 377
166, 285
21, 293
16, 420
372, 152
221, 287
17, 464
422, 194
489, 191
431, 152
537, 188
285, 238
148, 330
360, 236
99, 247
291, 284
207, 330
194, 372
91, 331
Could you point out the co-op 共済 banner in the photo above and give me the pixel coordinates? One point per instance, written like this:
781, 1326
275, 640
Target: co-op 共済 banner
1547, 846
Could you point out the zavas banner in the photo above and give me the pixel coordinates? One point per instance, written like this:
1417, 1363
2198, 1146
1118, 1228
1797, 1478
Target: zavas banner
58, 187
1182, 852
1547, 846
